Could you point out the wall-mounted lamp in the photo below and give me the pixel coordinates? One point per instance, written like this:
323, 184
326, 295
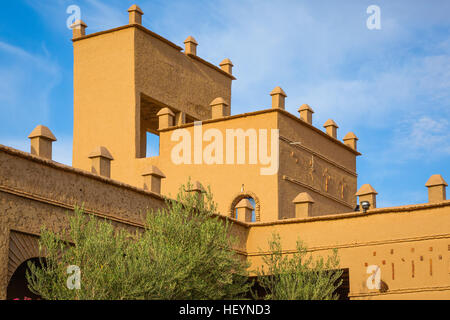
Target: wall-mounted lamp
365, 205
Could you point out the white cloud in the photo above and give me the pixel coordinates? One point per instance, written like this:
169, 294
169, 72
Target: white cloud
27, 83
424, 137
103, 16
381, 99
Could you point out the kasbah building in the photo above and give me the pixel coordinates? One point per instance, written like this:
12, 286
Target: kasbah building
128, 82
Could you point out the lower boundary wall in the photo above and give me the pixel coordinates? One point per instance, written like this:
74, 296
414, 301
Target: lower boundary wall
407, 247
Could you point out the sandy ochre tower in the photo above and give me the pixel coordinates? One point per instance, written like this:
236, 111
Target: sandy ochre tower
130, 82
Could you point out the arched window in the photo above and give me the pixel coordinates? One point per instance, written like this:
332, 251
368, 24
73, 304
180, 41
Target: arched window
254, 200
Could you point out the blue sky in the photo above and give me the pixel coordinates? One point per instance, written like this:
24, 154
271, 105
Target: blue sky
390, 86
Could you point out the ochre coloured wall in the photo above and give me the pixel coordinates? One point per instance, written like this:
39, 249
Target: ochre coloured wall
311, 161
175, 79
410, 245
226, 180
36, 192
104, 98
114, 71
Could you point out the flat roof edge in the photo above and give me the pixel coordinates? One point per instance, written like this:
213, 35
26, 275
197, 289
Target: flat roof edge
157, 36
138, 26
255, 113
64, 167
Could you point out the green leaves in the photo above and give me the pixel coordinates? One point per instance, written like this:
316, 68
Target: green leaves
184, 252
298, 276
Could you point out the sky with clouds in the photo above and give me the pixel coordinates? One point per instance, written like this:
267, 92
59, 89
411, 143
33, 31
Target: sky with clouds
389, 86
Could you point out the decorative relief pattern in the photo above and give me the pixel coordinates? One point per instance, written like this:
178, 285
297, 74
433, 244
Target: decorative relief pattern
321, 176
311, 169
327, 178
410, 264
343, 186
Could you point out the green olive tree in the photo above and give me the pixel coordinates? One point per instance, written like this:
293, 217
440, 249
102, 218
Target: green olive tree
298, 276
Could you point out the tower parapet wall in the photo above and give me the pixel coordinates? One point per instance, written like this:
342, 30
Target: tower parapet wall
123, 77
